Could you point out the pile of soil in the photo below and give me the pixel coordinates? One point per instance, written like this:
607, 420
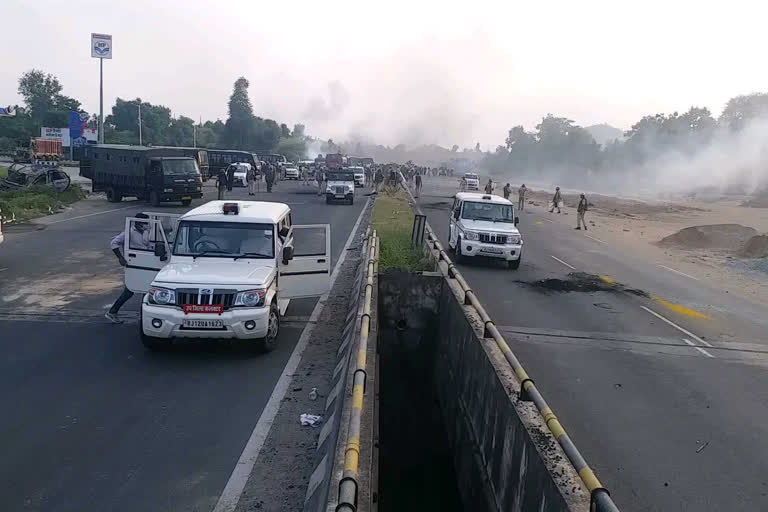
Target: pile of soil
716, 236
756, 247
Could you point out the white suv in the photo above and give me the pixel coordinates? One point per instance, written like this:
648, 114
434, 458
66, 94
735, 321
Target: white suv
485, 225
226, 269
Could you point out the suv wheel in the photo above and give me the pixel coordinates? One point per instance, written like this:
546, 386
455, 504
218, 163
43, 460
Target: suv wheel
114, 195
459, 257
514, 264
269, 342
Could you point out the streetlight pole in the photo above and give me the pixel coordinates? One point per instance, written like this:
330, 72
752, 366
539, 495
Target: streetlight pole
140, 123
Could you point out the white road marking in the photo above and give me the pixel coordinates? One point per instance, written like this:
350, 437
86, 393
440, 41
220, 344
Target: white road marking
677, 272
698, 348
561, 261
673, 324
595, 239
89, 215
230, 496
548, 220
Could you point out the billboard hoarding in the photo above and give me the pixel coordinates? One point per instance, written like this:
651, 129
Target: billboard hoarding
62, 134
101, 46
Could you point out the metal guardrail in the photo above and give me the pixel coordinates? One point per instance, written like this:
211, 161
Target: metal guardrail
600, 498
348, 485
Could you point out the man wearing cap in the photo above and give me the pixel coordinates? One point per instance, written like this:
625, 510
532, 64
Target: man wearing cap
137, 240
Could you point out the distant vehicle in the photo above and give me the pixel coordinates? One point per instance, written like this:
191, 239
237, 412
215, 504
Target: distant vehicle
47, 151
319, 160
201, 157
339, 186
291, 173
225, 272
240, 179
335, 160
361, 161
471, 181
359, 175
152, 174
221, 158
484, 225
271, 158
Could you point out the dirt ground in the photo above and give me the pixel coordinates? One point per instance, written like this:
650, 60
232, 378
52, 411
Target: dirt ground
641, 225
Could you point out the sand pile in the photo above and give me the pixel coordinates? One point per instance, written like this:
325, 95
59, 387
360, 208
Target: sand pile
756, 247
715, 236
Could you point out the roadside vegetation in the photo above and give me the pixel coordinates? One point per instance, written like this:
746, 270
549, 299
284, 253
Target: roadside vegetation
3, 172
21, 205
392, 218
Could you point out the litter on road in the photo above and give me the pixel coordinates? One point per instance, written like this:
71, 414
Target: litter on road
311, 420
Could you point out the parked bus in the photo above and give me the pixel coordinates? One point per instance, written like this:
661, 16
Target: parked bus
221, 158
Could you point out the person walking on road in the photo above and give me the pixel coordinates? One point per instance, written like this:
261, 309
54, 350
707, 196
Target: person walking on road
580, 211
378, 180
250, 177
221, 183
507, 190
230, 177
269, 177
137, 240
489, 186
418, 184
521, 197
556, 200
320, 178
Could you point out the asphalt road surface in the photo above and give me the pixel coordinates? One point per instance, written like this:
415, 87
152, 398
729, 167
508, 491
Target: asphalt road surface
671, 410
93, 421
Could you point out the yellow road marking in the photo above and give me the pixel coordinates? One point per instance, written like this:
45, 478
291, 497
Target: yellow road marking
608, 280
679, 309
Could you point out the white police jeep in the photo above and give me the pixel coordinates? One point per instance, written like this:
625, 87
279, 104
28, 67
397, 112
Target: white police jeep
226, 269
484, 225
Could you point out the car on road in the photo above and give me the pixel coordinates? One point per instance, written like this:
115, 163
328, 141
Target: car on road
359, 175
241, 174
471, 181
291, 173
484, 225
224, 270
339, 186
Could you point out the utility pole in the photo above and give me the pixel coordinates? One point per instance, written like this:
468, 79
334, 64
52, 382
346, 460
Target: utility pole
101, 101
194, 135
139, 122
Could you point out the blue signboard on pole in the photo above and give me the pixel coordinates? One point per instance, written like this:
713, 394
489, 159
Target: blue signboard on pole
75, 125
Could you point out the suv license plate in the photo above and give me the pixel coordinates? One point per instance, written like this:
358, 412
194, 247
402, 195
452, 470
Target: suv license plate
203, 324
492, 250
339, 196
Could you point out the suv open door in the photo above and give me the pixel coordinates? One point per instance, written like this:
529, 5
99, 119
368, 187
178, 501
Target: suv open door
308, 273
146, 251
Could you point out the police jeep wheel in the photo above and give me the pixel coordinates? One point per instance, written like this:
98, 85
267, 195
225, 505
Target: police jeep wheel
186, 202
269, 342
459, 257
514, 264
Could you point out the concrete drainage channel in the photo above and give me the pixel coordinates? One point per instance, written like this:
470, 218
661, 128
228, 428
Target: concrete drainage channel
459, 424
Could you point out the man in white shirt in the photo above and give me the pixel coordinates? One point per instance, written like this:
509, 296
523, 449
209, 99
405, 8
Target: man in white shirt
138, 240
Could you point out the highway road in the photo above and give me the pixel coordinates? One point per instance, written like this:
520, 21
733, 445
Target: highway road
659, 379
91, 420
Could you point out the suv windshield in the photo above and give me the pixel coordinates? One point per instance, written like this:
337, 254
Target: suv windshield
180, 166
340, 176
224, 239
488, 211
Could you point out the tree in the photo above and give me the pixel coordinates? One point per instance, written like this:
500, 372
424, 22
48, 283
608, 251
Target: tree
40, 92
284, 130
298, 130
180, 132
741, 109
155, 120
240, 126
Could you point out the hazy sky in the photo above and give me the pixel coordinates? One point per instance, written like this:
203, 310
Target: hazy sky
398, 71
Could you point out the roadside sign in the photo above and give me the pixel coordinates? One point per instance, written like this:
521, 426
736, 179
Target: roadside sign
101, 46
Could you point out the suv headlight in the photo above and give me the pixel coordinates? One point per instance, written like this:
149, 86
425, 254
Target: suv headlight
470, 235
161, 296
513, 239
250, 298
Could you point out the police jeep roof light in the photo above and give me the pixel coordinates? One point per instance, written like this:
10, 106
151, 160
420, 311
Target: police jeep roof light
232, 208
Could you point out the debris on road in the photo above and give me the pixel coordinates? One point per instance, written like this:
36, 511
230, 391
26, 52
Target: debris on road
311, 420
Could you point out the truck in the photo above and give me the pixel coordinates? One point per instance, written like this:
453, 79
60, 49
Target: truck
335, 160
44, 150
201, 157
148, 173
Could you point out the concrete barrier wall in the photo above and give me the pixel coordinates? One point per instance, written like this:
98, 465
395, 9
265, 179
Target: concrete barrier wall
504, 456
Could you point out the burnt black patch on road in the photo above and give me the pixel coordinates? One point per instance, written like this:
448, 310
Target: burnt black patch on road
581, 282
438, 205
